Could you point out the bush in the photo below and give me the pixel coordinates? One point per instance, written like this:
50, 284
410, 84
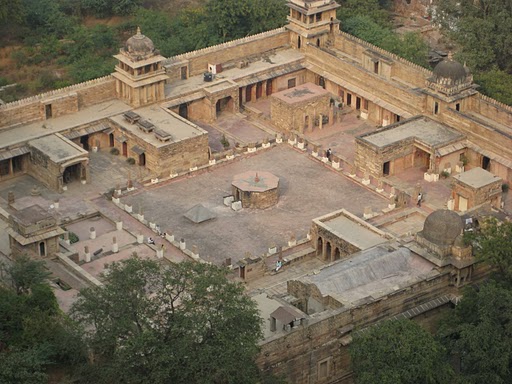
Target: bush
224, 142
130, 160
445, 174
114, 151
505, 187
73, 237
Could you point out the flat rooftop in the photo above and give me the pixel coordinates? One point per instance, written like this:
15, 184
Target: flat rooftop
426, 131
26, 132
355, 233
164, 120
301, 93
267, 66
371, 274
58, 148
476, 178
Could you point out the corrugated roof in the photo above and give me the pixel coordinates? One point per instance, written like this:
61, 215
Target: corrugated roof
10, 153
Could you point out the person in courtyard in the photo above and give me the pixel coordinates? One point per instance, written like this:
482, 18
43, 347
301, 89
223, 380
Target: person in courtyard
328, 154
151, 241
420, 196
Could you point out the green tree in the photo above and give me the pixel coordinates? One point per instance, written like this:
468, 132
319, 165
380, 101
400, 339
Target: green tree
34, 333
186, 324
398, 352
479, 335
493, 244
482, 28
496, 84
373, 9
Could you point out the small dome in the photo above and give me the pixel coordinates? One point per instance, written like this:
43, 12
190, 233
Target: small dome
139, 45
442, 227
450, 72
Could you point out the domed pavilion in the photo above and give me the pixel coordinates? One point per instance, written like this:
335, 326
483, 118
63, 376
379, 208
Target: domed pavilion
450, 77
440, 231
139, 74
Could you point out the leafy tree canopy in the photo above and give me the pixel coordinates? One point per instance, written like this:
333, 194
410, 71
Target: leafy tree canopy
398, 352
479, 335
185, 324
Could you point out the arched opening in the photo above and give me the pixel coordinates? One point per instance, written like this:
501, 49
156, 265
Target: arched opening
298, 42
42, 249
259, 90
183, 110
71, 173
84, 140
321, 81
328, 250
248, 92
318, 42
319, 246
269, 87
111, 139
142, 159
337, 254
125, 149
225, 104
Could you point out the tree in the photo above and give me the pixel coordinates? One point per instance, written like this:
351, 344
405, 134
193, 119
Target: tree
493, 244
26, 273
34, 333
398, 352
496, 84
483, 29
185, 323
478, 334
373, 9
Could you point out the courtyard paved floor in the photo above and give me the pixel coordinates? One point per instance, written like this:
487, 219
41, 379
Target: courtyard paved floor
307, 188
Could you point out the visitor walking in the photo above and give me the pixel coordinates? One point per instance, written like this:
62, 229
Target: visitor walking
420, 196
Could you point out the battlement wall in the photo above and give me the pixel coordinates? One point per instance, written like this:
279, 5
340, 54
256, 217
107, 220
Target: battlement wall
63, 101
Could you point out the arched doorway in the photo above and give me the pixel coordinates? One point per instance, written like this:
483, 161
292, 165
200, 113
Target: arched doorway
183, 110
125, 149
142, 159
318, 42
298, 42
337, 254
84, 140
328, 250
225, 104
71, 173
319, 246
111, 139
42, 249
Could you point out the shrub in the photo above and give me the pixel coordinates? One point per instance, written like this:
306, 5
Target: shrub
73, 237
505, 187
445, 174
224, 142
130, 160
114, 151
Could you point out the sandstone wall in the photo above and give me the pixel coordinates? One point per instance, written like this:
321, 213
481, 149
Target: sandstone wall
64, 101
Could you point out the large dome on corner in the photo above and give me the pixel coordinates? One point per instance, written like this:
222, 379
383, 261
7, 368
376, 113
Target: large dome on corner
442, 227
139, 45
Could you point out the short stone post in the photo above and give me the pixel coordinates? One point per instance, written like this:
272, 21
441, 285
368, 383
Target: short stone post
10, 198
128, 208
392, 203
195, 252
183, 244
56, 204
351, 170
169, 236
115, 246
119, 225
160, 252
368, 213
292, 241
92, 233
380, 186
152, 225
392, 193
314, 153
366, 178
279, 138
140, 238
66, 238
87, 254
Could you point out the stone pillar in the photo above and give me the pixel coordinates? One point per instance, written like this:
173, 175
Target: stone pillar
140, 238
320, 121
366, 178
195, 251
368, 213
169, 236
253, 92
331, 115
324, 249
56, 203
87, 254
119, 225
183, 244
380, 185
92, 233
115, 246
310, 123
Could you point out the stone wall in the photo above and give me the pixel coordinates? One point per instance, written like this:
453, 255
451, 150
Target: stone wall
197, 62
64, 101
32, 250
298, 354
44, 170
